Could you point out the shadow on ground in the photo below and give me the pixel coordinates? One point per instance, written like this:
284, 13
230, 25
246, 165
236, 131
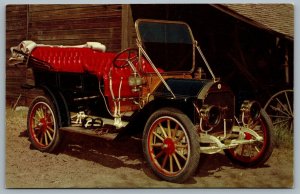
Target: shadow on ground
127, 152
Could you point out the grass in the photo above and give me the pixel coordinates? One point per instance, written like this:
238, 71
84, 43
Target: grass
283, 137
20, 114
16, 119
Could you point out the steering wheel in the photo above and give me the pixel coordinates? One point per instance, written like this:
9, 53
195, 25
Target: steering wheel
123, 58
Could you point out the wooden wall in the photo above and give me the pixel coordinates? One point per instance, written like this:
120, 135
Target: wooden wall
63, 25
16, 31
76, 24
128, 30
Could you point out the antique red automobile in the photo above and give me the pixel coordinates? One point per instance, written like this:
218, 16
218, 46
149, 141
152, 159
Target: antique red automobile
155, 89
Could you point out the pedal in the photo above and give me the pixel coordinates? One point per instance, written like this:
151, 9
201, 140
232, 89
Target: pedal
91, 123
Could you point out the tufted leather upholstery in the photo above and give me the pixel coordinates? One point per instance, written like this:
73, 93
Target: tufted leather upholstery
77, 60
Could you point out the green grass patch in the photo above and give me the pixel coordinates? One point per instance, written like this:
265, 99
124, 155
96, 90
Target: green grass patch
283, 137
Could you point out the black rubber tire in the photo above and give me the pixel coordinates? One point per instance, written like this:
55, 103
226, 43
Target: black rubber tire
192, 161
53, 143
265, 151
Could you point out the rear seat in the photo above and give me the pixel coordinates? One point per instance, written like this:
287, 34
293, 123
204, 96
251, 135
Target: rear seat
76, 60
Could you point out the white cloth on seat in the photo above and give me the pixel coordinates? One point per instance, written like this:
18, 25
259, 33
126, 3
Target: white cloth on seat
26, 46
96, 46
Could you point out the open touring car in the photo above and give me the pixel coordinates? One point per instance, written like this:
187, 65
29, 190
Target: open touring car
159, 85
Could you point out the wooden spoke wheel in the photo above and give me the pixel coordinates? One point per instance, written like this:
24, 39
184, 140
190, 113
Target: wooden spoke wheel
170, 145
42, 124
280, 109
254, 153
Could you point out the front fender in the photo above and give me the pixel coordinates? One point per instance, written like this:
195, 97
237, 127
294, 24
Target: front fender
138, 120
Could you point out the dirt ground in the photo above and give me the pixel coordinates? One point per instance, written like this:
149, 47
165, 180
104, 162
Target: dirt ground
90, 162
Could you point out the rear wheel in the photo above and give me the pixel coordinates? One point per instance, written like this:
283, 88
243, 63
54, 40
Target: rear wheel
170, 145
256, 153
42, 124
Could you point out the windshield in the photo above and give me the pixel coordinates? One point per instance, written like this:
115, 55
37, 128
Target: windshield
169, 45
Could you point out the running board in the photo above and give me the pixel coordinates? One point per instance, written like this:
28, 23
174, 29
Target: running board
96, 133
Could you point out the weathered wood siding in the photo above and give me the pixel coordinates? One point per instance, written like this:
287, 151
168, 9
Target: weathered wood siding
128, 29
76, 24
59, 25
16, 31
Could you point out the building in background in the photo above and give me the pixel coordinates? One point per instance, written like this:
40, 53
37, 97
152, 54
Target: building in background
249, 42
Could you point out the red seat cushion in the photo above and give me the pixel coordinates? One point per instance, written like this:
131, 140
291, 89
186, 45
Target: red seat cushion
78, 60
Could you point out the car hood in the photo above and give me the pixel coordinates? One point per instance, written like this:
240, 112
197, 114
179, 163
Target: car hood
183, 88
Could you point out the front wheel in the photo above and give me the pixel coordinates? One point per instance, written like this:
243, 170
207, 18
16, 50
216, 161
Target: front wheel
258, 152
170, 145
42, 124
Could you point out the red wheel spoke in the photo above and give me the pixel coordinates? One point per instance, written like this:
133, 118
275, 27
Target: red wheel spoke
157, 145
175, 131
163, 130
181, 146
39, 113
41, 138
177, 162
171, 163
50, 129
38, 132
159, 154
169, 128
46, 139
50, 137
42, 112
160, 137
164, 161
182, 156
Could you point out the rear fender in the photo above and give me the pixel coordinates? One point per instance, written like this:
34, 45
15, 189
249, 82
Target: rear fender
60, 104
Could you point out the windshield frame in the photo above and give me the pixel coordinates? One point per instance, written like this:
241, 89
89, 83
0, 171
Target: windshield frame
140, 43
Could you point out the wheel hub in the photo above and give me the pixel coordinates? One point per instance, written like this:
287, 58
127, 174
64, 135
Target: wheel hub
43, 124
169, 146
248, 136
